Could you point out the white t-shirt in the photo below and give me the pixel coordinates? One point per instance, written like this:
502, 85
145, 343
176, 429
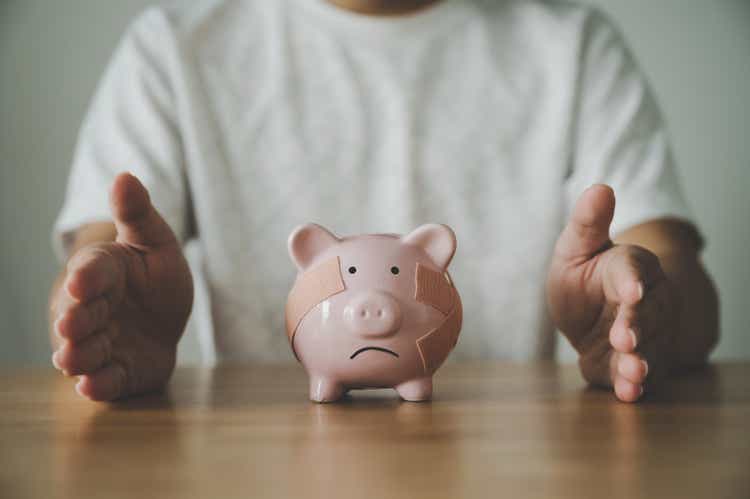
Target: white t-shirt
246, 118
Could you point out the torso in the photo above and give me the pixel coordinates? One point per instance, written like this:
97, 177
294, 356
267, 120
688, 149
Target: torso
293, 121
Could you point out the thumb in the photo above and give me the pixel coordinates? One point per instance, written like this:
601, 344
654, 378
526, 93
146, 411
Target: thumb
587, 232
137, 221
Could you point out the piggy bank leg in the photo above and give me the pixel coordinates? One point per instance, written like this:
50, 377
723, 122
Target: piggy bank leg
325, 390
416, 390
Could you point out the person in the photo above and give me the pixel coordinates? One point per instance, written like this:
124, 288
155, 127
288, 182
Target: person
241, 119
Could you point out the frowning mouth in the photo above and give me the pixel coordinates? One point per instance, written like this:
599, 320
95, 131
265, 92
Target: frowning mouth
379, 349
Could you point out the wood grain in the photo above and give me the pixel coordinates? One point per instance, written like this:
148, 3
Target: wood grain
493, 430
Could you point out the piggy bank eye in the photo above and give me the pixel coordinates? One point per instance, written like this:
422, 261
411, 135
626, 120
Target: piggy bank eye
352, 270
394, 270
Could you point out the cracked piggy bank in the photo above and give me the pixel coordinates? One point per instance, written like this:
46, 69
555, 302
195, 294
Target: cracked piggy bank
372, 311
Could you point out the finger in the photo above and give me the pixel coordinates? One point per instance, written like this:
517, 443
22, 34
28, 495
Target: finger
598, 365
62, 302
623, 281
640, 323
587, 231
94, 271
626, 390
137, 221
105, 384
629, 272
80, 319
625, 334
88, 355
632, 367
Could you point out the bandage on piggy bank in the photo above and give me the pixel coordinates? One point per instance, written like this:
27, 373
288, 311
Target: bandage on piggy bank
372, 311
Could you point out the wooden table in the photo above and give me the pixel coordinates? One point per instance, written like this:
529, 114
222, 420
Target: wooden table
493, 430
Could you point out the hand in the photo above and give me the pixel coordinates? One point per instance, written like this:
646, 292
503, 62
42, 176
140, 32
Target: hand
123, 305
613, 302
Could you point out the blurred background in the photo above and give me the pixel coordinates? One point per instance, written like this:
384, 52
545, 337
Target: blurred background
696, 54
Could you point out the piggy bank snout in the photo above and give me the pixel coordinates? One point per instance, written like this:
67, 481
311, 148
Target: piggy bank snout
373, 314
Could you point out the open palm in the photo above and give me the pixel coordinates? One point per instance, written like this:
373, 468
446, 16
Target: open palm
126, 302
613, 302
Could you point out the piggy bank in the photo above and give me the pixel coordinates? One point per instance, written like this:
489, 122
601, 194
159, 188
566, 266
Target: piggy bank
372, 311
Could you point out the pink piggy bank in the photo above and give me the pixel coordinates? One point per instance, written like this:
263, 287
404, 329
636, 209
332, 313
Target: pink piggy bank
372, 311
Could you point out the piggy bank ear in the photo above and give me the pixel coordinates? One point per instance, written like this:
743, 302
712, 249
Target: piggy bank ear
437, 240
308, 241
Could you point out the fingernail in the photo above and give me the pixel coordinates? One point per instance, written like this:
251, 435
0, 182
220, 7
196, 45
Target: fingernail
633, 337
640, 291
56, 327
56, 359
645, 367
641, 393
67, 289
78, 387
